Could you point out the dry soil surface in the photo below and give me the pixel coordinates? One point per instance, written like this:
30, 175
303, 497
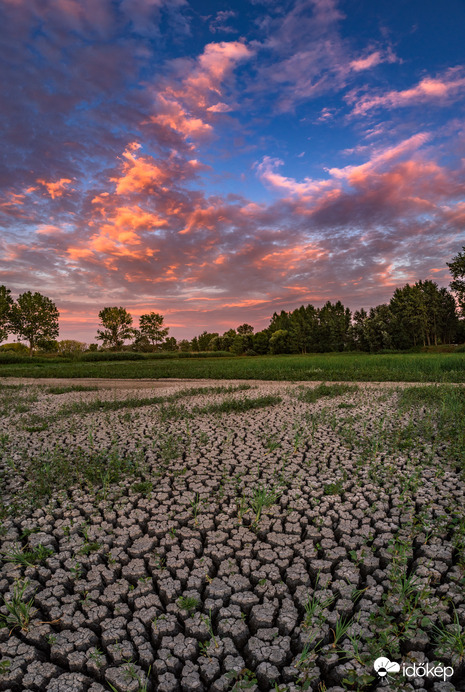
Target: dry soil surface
276, 548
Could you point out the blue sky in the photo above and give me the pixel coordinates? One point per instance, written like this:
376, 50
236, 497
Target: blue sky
216, 162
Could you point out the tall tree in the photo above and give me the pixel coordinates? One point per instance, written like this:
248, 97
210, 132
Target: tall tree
116, 323
6, 303
424, 313
261, 342
457, 269
34, 317
204, 339
380, 328
358, 331
246, 332
334, 322
227, 339
279, 341
171, 344
407, 306
151, 326
245, 329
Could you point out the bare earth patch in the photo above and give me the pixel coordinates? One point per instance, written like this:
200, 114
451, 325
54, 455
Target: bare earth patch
220, 535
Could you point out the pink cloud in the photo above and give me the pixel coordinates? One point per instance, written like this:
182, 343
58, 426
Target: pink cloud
436, 90
184, 105
373, 59
220, 108
266, 170
48, 229
171, 114
380, 157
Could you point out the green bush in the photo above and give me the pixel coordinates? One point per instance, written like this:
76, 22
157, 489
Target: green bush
10, 357
15, 347
205, 354
161, 355
94, 356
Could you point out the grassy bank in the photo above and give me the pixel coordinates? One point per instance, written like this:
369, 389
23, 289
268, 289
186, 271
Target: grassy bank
396, 367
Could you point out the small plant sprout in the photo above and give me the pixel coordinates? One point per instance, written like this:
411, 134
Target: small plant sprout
340, 629
263, 497
19, 612
195, 505
242, 508
207, 621
130, 670
4, 666
27, 558
188, 603
160, 560
451, 639
97, 657
243, 679
75, 570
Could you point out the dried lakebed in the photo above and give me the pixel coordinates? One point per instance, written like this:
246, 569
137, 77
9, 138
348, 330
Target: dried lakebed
249, 536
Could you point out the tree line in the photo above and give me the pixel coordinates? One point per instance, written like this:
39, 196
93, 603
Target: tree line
421, 314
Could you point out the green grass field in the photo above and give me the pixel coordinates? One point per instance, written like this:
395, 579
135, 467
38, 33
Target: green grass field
348, 367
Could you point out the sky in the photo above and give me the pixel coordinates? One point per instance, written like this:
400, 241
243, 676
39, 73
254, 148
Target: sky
216, 162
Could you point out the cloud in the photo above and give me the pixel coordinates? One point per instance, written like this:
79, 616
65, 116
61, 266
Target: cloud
372, 59
145, 15
220, 108
220, 22
267, 168
379, 157
440, 90
308, 56
353, 234
56, 188
107, 140
185, 103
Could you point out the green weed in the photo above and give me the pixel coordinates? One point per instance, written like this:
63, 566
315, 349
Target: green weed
309, 396
262, 498
19, 613
188, 603
451, 639
27, 558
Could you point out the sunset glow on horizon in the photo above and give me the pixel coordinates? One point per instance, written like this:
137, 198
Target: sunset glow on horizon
217, 162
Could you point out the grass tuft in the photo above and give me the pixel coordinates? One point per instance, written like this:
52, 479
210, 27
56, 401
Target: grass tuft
309, 396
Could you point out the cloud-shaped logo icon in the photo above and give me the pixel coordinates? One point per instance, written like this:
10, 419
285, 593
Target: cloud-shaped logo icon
384, 666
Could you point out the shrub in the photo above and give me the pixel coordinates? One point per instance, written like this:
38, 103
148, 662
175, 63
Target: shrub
10, 357
16, 347
94, 356
70, 348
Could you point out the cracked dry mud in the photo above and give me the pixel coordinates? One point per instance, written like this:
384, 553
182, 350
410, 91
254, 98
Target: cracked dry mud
267, 549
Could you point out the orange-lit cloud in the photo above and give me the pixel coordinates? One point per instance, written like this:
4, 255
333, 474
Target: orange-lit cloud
13, 199
139, 173
57, 188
